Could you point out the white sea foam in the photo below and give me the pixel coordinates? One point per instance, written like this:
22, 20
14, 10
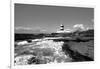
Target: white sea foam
22, 43
41, 47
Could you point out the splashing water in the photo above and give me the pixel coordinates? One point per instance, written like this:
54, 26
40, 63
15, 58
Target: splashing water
41, 52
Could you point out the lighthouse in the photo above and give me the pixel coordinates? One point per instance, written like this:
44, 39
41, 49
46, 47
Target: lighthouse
62, 30
61, 27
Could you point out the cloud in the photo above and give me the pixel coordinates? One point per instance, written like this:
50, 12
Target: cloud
79, 27
29, 30
23, 28
43, 30
68, 30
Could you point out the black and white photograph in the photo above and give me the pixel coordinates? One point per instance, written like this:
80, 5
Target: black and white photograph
50, 34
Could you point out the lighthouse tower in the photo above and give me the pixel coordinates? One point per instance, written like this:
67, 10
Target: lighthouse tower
61, 27
61, 30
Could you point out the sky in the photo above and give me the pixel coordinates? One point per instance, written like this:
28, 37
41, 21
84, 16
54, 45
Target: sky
30, 18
